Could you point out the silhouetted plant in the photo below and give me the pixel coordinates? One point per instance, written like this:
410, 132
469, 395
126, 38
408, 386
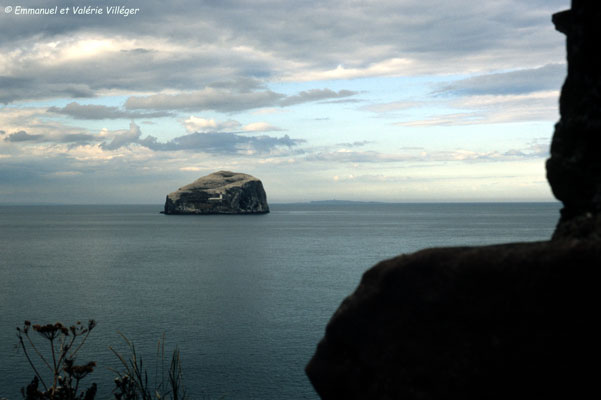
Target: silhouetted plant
65, 376
132, 382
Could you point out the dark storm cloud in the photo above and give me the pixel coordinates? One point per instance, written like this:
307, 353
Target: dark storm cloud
548, 77
96, 112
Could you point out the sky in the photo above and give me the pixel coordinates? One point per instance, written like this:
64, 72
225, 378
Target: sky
387, 100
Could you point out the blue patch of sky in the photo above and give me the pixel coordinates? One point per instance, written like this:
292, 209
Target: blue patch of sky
325, 122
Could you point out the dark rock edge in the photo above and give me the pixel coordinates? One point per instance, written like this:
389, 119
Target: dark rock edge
493, 322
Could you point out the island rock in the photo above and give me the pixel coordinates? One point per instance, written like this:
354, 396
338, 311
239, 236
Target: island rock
222, 192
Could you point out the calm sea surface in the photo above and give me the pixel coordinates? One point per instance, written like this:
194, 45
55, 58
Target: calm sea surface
246, 298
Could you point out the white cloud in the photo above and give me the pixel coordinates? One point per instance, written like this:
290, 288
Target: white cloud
494, 109
390, 67
156, 54
123, 138
277, 160
65, 174
197, 124
260, 127
203, 125
271, 110
239, 61
535, 150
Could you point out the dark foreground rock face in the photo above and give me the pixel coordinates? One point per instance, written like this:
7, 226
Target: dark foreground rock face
574, 169
222, 192
495, 322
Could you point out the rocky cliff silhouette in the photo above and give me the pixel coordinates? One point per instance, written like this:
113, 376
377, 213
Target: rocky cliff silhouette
495, 322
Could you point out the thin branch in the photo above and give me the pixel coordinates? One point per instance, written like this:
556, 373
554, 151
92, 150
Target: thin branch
56, 371
31, 363
65, 350
33, 346
81, 344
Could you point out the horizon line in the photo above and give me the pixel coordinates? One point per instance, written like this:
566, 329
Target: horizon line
316, 202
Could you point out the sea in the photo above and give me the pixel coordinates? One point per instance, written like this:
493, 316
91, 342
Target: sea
245, 298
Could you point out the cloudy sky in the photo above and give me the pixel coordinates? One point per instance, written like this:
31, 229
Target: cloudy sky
388, 100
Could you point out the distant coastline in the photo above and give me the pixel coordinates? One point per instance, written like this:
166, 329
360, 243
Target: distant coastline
343, 202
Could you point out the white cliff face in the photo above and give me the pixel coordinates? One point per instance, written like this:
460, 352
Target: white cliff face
222, 192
